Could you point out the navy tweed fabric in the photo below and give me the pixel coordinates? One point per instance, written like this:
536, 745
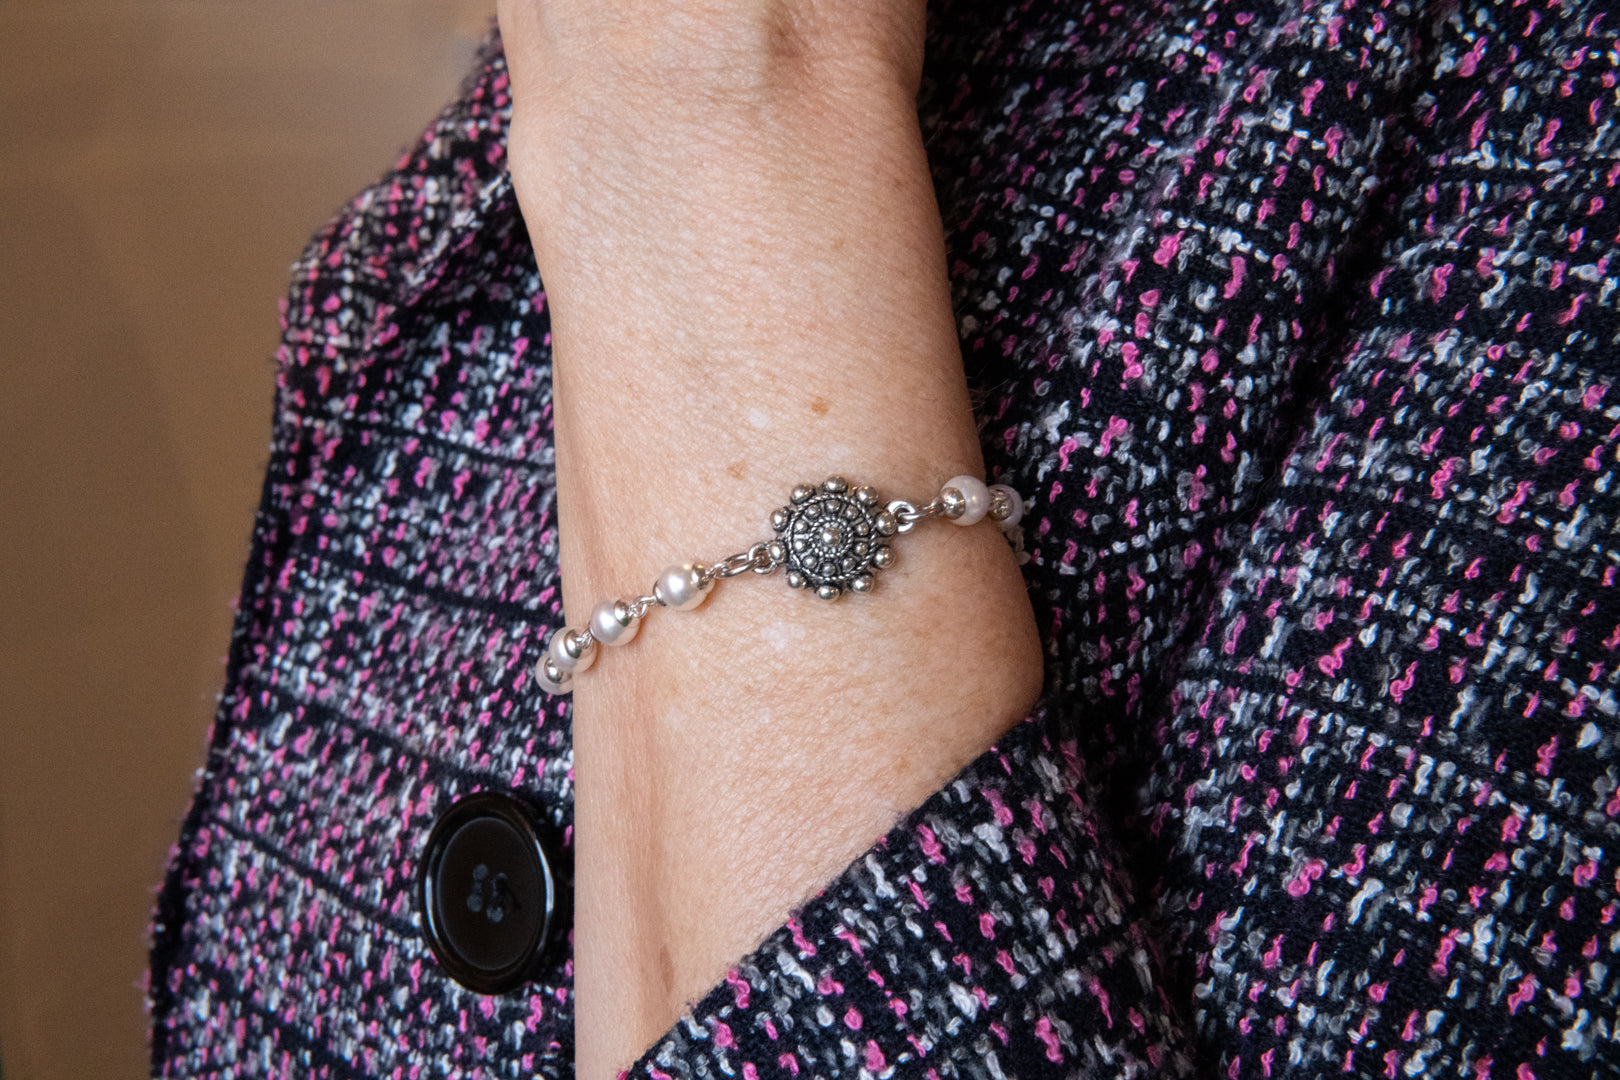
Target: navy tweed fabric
1294, 322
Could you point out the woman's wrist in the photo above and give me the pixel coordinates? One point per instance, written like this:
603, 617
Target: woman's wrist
748, 292
714, 347
737, 756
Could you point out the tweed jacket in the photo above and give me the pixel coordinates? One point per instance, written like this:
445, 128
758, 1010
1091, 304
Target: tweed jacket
1293, 321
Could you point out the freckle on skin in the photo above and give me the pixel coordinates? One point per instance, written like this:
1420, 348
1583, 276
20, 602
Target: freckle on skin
735, 470
819, 406
666, 968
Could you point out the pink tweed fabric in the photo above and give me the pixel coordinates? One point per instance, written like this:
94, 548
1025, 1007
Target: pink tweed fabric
1294, 322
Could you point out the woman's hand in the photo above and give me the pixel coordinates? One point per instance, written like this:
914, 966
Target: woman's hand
742, 255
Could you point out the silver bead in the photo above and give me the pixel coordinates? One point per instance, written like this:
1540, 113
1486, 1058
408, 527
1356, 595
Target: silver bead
966, 499
883, 557
682, 587
835, 485
776, 551
828, 591
572, 651
802, 493
613, 624
1006, 506
779, 518
552, 679
862, 583
866, 495
795, 579
887, 524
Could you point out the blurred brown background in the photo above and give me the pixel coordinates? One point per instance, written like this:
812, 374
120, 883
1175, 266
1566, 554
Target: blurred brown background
161, 164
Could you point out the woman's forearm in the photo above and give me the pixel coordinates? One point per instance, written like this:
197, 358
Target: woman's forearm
748, 292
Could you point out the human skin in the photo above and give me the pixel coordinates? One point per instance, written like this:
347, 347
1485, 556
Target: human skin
742, 256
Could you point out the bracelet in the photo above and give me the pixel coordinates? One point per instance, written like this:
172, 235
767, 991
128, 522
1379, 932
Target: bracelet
829, 538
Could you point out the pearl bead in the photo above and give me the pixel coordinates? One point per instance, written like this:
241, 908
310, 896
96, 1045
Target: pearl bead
571, 652
611, 623
682, 587
1009, 502
552, 679
975, 499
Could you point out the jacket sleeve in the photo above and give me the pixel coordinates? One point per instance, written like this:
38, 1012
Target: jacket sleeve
992, 932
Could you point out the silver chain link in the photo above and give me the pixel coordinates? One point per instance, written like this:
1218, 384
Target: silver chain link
907, 514
756, 558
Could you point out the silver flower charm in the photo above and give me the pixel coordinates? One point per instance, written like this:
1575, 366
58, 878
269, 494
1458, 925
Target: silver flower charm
830, 537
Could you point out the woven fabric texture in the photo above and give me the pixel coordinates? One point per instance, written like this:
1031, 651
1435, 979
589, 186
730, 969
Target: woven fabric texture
1294, 323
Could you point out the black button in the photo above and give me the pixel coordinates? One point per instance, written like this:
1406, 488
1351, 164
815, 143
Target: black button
488, 897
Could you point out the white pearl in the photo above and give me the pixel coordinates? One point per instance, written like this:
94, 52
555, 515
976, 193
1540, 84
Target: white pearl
551, 679
1015, 506
611, 623
568, 654
682, 587
975, 494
